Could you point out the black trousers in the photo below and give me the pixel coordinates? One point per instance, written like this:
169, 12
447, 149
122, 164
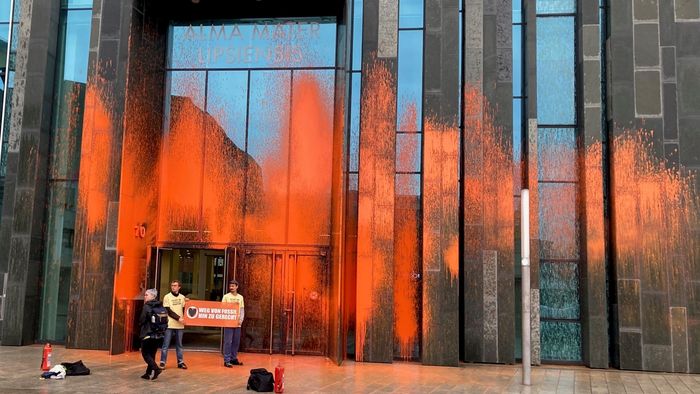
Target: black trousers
149, 347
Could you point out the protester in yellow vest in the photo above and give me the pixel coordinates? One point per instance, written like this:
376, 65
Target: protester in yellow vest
232, 336
174, 303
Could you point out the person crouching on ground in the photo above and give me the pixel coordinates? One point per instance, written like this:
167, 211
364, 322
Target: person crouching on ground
174, 303
150, 343
232, 335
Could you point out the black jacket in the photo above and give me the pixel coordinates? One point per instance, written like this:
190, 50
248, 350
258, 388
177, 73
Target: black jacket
144, 322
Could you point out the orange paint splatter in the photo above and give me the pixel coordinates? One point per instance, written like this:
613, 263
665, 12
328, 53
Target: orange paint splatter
407, 259
375, 235
96, 154
654, 210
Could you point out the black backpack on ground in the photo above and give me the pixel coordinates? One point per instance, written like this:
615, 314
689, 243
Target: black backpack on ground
76, 369
158, 321
260, 380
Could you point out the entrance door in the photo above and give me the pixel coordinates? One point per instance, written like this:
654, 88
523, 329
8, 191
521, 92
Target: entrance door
201, 273
286, 299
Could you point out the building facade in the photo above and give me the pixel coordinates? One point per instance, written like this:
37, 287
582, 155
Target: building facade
357, 166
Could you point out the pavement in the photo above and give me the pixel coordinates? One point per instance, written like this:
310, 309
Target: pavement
19, 372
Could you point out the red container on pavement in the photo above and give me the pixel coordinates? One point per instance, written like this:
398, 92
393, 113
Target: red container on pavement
46, 358
279, 378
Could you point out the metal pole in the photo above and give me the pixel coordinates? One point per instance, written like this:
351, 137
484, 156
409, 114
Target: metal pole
525, 284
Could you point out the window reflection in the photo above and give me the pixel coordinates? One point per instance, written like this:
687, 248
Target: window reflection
66, 128
227, 96
555, 70
410, 80
355, 123
410, 13
357, 35
407, 184
556, 154
408, 152
559, 290
556, 6
559, 232
517, 61
254, 44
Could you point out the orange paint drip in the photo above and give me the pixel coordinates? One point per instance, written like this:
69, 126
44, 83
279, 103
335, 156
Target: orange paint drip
488, 178
141, 146
375, 237
655, 210
407, 259
96, 157
441, 202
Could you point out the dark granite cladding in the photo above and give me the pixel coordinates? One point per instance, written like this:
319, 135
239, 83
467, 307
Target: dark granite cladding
375, 237
24, 199
440, 198
593, 271
486, 188
94, 260
141, 146
655, 260
339, 187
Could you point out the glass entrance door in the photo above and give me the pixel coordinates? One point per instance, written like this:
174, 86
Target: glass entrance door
201, 273
286, 299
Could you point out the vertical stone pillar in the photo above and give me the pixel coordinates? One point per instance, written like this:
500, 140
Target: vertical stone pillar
95, 259
375, 237
24, 204
487, 183
593, 270
440, 184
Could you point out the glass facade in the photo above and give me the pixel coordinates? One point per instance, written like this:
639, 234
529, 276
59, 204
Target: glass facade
66, 131
9, 36
249, 104
557, 152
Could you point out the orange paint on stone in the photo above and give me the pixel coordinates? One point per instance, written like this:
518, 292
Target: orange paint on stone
375, 237
96, 156
488, 177
655, 211
441, 202
407, 267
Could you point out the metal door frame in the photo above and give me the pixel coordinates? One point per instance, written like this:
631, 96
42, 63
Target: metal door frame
286, 252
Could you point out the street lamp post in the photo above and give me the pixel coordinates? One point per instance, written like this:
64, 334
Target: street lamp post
525, 283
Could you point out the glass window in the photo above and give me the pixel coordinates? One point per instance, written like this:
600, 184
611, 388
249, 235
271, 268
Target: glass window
517, 144
227, 95
355, 123
407, 184
254, 44
517, 11
556, 6
188, 84
559, 233
556, 154
357, 35
559, 290
76, 3
5, 10
410, 80
408, 152
410, 13
353, 182
77, 27
66, 132
561, 341
269, 104
517, 61
555, 71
